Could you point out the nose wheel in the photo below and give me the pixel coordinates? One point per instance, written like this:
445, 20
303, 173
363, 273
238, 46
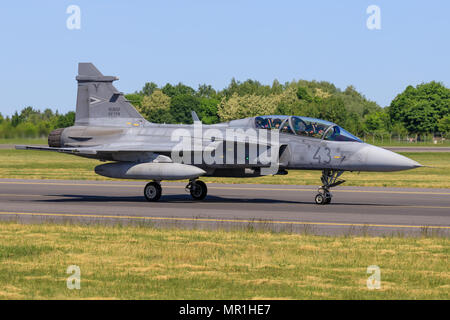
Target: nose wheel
197, 189
152, 191
329, 179
323, 197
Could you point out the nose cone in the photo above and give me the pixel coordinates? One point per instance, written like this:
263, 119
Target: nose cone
379, 159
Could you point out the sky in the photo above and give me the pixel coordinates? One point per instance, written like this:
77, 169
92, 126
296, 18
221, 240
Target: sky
212, 41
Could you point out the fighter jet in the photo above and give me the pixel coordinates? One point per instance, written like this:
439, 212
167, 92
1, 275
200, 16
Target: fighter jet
108, 128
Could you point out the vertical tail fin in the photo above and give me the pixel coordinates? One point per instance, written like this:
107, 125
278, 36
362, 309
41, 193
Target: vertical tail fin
99, 102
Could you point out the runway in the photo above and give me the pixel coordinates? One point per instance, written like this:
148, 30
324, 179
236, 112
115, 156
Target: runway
354, 210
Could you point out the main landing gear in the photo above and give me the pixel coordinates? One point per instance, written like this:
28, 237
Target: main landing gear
152, 191
197, 188
329, 179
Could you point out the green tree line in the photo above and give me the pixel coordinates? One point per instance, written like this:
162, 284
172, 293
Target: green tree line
420, 110
31, 123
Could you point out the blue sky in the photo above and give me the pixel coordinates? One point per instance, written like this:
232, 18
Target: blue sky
206, 41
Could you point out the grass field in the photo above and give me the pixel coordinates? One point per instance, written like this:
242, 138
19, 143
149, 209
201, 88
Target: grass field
147, 263
49, 165
445, 144
396, 143
42, 141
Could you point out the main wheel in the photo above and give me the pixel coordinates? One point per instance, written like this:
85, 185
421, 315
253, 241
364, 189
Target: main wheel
152, 191
198, 190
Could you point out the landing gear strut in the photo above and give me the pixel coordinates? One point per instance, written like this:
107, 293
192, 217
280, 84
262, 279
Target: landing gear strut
197, 189
152, 191
329, 179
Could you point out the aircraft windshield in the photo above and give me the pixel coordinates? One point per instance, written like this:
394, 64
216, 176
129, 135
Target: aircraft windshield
304, 126
336, 133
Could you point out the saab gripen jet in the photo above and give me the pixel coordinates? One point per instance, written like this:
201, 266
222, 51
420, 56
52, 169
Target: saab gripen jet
108, 128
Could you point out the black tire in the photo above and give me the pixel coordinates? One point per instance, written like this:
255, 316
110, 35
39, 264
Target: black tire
320, 199
152, 191
199, 190
327, 198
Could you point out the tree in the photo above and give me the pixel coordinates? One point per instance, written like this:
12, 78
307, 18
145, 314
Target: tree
27, 114
15, 119
331, 109
161, 115
206, 91
66, 120
158, 100
357, 103
290, 104
156, 108
444, 124
247, 106
135, 99
248, 87
277, 87
48, 114
181, 107
377, 122
179, 89
420, 108
148, 89
421, 118
207, 110
303, 94
354, 124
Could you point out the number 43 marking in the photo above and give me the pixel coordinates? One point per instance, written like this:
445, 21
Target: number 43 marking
327, 157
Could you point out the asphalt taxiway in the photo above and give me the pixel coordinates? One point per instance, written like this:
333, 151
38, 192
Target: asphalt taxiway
354, 210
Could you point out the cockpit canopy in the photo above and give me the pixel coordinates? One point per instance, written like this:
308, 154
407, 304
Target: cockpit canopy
304, 126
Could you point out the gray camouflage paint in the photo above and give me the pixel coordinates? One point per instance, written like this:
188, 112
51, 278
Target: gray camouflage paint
109, 128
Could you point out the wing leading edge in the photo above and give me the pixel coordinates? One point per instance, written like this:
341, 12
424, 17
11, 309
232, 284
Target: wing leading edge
100, 149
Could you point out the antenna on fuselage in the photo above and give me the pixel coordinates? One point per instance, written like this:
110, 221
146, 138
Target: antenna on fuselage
195, 116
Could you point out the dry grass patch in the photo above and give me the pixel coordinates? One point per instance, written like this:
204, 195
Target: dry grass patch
147, 263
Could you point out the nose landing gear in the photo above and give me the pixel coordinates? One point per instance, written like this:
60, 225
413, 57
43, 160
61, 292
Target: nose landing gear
329, 179
323, 197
